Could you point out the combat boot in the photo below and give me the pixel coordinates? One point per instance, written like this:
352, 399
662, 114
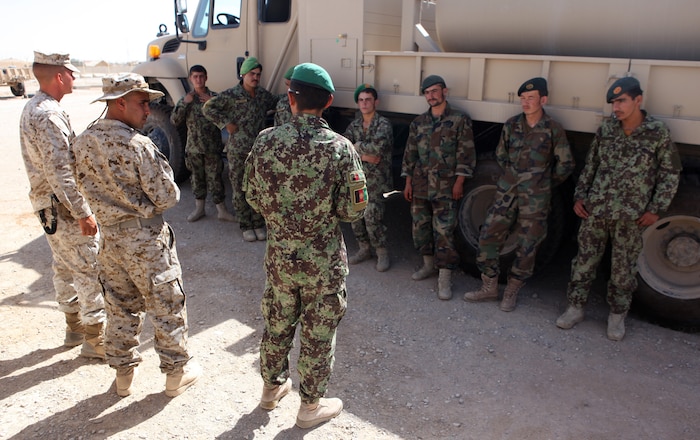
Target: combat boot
572, 316
362, 254
311, 414
383, 261
510, 294
445, 284
428, 269
75, 332
223, 214
198, 211
177, 382
94, 346
487, 292
616, 326
260, 234
249, 235
271, 396
125, 377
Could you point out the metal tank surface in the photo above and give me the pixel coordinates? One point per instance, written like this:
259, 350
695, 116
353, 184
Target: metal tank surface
594, 28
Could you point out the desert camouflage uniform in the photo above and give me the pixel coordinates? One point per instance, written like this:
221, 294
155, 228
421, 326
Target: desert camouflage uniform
624, 177
236, 106
533, 160
203, 149
377, 140
304, 179
128, 181
437, 151
45, 136
283, 112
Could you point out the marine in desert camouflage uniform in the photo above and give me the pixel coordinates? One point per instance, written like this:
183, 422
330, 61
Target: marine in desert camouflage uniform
242, 111
129, 184
439, 156
373, 137
631, 174
45, 136
535, 156
305, 179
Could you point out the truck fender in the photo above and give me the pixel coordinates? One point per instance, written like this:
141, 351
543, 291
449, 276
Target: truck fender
168, 73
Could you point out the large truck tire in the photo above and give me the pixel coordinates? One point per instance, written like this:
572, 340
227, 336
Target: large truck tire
170, 141
18, 89
478, 197
669, 265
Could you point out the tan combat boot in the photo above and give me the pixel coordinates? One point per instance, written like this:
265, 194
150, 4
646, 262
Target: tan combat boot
572, 316
363, 253
311, 414
487, 292
383, 261
223, 215
125, 377
75, 332
445, 284
177, 382
510, 294
271, 396
616, 326
94, 346
198, 211
428, 269
260, 234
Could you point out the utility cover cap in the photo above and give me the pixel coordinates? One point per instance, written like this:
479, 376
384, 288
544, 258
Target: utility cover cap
622, 86
55, 59
539, 84
116, 86
313, 75
431, 81
249, 64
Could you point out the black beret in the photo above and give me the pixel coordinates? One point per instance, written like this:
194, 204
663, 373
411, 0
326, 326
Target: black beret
431, 81
622, 86
539, 84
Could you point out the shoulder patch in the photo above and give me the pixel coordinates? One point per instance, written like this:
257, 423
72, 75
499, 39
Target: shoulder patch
358, 189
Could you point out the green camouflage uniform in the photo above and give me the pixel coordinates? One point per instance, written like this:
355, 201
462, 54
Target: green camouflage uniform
283, 112
377, 140
125, 177
203, 149
533, 161
45, 136
437, 151
237, 106
305, 179
624, 177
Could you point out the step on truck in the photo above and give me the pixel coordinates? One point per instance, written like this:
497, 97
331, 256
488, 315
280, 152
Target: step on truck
484, 49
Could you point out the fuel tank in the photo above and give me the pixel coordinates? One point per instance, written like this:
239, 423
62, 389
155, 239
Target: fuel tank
637, 29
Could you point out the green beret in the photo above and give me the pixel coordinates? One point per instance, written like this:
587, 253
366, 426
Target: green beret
622, 86
313, 75
288, 73
249, 64
431, 81
539, 84
361, 88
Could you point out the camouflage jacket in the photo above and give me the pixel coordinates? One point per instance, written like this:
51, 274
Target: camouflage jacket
235, 105
45, 136
437, 151
305, 179
533, 160
122, 173
203, 137
283, 113
625, 176
377, 140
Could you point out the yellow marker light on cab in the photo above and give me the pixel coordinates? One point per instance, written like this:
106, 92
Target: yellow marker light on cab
153, 52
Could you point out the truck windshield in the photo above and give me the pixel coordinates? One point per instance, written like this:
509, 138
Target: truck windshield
226, 14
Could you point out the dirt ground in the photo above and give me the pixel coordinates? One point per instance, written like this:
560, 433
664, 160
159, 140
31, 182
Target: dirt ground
408, 366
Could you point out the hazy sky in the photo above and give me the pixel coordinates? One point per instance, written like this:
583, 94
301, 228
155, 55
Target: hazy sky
90, 30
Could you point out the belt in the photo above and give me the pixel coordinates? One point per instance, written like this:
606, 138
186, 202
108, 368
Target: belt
140, 222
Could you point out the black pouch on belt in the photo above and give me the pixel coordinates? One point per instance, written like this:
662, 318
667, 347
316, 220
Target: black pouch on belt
50, 229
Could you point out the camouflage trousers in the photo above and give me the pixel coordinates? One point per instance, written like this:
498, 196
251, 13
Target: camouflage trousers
75, 272
371, 228
318, 313
434, 223
141, 275
593, 235
206, 176
503, 220
247, 216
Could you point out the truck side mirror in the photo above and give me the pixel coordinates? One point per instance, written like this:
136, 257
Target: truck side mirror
182, 23
181, 6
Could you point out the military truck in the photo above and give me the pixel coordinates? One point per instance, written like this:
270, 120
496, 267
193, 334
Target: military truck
484, 49
15, 77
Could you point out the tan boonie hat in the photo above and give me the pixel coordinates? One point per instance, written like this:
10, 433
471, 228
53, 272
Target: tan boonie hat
116, 86
55, 59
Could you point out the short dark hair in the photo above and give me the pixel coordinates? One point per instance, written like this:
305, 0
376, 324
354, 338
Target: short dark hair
371, 91
309, 97
198, 68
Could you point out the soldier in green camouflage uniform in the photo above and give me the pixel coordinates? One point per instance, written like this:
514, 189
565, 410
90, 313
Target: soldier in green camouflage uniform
535, 156
439, 156
305, 179
242, 111
129, 184
203, 147
630, 177
373, 137
283, 113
